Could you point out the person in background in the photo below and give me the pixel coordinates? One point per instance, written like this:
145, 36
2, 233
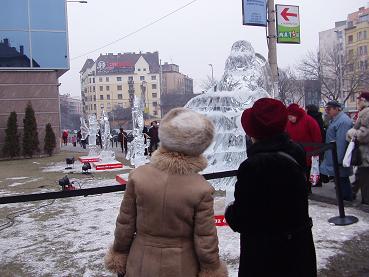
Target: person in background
165, 226
314, 112
270, 209
339, 124
122, 138
360, 133
74, 140
301, 128
65, 137
79, 137
154, 137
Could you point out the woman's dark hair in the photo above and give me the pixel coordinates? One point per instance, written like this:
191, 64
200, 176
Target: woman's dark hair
312, 108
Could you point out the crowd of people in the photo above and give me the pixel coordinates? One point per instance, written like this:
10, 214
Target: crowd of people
165, 226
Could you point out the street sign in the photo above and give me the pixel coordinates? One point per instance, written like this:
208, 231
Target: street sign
288, 24
254, 12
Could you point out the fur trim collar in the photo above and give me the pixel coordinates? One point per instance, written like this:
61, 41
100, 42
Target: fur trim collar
177, 163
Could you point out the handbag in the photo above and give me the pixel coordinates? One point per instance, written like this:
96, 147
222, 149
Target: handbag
352, 155
356, 158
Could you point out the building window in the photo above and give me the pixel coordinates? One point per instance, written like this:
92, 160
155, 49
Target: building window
100, 79
101, 97
102, 106
155, 103
144, 69
119, 79
155, 112
93, 89
108, 96
138, 69
101, 88
154, 95
130, 78
107, 88
350, 39
142, 78
351, 53
153, 77
95, 107
107, 79
93, 80
94, 97
153, 86
119, 87
120, 96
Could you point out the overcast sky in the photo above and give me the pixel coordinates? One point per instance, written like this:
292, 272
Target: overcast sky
193, 37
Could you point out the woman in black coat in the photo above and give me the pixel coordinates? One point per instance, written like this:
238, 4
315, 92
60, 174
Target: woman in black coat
270, 210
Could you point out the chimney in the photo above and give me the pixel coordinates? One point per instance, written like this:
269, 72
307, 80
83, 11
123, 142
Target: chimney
6, 42
21, 50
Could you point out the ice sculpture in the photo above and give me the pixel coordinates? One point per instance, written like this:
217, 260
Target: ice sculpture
137, 147
106, 155
246, 78
90, 132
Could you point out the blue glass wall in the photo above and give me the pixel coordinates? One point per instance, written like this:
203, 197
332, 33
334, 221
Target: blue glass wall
33, 33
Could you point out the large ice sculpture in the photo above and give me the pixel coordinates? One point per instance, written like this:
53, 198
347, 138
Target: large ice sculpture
106, 155
136, 152
246, 78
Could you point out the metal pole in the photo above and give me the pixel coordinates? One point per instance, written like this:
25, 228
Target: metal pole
212, 73
342, 219
272, 46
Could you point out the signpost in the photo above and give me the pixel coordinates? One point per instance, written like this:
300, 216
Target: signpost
288, 24
254, 12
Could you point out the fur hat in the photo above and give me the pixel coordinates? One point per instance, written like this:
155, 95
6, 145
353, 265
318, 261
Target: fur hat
185, 131
266, 118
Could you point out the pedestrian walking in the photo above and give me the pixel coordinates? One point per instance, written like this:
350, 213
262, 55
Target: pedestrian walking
165, 225
360, 133
122, 138
339, 124
302, 128
154, 137
74, 140
65, 137
270, 209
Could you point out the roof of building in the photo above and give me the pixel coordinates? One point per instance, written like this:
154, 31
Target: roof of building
122, 63
88, 64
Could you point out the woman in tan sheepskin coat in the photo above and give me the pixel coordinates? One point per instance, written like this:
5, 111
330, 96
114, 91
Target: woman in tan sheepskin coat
165, 227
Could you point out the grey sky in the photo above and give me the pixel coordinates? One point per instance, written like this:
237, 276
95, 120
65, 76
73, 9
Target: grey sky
199, 34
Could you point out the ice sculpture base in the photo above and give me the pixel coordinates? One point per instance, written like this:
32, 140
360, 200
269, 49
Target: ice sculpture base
107, 166
119, 178
89, 159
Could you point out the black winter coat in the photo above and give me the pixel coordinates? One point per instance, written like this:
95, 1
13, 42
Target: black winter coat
271, 212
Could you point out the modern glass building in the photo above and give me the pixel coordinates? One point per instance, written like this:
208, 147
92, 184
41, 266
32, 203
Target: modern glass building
33, 34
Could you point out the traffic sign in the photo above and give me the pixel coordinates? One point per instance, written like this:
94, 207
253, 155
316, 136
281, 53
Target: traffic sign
288, 24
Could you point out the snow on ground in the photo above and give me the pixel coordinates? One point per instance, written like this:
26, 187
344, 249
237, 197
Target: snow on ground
70, 236
17, 178
25, 182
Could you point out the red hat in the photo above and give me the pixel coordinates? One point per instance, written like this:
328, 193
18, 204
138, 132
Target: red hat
364, 95
295, 110
266, 118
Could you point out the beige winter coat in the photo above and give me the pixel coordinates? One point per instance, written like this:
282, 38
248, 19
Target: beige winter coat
360, 131
165, 227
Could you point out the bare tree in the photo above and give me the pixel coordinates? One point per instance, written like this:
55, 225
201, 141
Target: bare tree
291, 90
340, 75
208, 83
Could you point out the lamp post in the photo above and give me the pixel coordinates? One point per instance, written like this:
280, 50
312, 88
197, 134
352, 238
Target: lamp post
339, 52
212, 74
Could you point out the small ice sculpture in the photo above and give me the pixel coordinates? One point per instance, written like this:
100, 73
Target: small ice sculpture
246, 78
136, 152
90, 132
106, 155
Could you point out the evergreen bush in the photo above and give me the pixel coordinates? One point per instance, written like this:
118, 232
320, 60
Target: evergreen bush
11, 146
50, 140
30, 134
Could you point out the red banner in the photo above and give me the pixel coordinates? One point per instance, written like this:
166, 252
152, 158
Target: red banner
220, 220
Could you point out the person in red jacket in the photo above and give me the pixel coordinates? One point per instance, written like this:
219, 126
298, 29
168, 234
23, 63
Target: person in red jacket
301, 128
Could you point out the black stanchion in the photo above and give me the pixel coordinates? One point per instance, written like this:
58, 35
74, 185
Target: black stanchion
342, 219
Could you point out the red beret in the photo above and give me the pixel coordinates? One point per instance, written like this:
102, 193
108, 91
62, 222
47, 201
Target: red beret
266, 118
364, 95
295, 110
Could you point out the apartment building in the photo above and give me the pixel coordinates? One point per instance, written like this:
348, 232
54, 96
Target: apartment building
112, 80
357, 44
